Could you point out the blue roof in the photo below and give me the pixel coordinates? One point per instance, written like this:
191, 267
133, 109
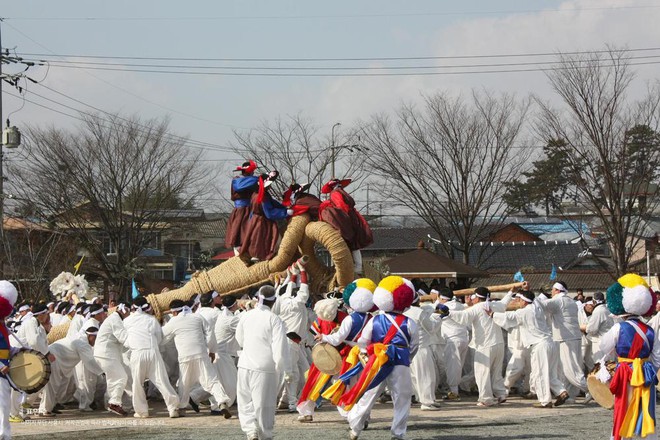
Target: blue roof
570, 227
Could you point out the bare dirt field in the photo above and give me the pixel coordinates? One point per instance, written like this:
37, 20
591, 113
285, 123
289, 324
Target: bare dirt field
515, 419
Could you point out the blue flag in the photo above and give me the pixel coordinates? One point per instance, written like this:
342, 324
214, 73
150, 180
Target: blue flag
136, 292
518, 277
553, 273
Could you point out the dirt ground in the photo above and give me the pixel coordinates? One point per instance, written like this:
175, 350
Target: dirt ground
515, 419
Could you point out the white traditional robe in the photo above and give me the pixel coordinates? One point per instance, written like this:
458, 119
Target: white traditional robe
194, 339
424, 377
109, 353
456, 338
263, 361
489, 347
68, 353
144, 335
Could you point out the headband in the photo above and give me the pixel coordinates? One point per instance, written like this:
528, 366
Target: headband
24, 308
524, 298
214, 294
445, 297
96, 312
183, 310
40, 312
559, 287
94, 332
50, 304
480, 296
266, 298
122, 308
144, 307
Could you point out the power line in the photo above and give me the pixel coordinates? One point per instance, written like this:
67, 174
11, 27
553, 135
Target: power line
343, 75
333, 68
336, 16
390, 58
128, 92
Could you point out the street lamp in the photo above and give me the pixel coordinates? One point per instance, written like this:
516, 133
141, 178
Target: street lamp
332, 150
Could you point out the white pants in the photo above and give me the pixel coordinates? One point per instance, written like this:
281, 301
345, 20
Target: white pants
147, 364
86, 383
488, 373
116, 378
543, 377
455, 351
292, 386
200, 371
519, 366
257, 402
570, 364
438, 352
423, 376
225, 368
56, 387
5, 405
399, 383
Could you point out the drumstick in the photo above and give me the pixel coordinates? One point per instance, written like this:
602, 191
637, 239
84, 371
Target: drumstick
21, 365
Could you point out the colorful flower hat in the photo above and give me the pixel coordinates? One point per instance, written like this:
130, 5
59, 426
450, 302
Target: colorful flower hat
394, 293
631, 295
8, 296
359, 295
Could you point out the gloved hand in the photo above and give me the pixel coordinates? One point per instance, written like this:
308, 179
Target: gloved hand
443, 309
289, 212
294, 269
287, 378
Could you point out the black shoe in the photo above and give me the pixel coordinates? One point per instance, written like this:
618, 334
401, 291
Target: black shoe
59, 407
194, 406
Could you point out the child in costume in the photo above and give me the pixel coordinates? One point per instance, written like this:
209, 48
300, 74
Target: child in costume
391, 341
242, 188
329, 315
8, 295
635, 377
359, 297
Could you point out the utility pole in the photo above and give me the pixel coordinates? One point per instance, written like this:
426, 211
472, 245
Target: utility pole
332, 149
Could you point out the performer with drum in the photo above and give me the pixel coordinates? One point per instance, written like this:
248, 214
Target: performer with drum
635, 378
8, 296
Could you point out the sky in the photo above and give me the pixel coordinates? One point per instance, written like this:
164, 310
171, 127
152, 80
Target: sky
299, 38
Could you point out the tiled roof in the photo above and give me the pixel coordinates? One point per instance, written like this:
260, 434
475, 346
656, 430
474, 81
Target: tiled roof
541, 255
426, 264
589, 281
174, 214
398, 239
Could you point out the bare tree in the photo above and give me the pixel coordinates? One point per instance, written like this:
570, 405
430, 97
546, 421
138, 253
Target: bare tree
294, 147
32, 253
616, 177
449, 161
109, 183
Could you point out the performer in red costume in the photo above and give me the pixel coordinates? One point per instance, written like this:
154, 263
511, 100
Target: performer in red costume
8, 297
339, 211
633, 341
242, 188
329, 317
301, 202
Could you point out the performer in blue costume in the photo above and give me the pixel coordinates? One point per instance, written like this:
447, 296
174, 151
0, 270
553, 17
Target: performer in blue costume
391, 341
242, 188
638, 358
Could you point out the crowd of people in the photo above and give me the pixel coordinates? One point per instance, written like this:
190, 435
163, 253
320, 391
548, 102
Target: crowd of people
256, 352
400, 340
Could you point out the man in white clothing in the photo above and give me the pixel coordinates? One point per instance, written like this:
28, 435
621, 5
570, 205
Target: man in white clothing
423, 374
599, 323
489, 345
109, 353
563, 312
32, 329
456, 339
291, 308
226, 354
144, 335
68, 353
195, 345
261, 365
537, 337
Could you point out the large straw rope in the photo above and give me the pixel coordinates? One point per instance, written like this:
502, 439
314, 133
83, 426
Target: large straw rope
58, 332
234, 276
324, 278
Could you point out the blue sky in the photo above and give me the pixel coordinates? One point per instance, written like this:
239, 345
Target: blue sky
207, 107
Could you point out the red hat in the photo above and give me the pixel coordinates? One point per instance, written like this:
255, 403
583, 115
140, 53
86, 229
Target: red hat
328, 187
247, 167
